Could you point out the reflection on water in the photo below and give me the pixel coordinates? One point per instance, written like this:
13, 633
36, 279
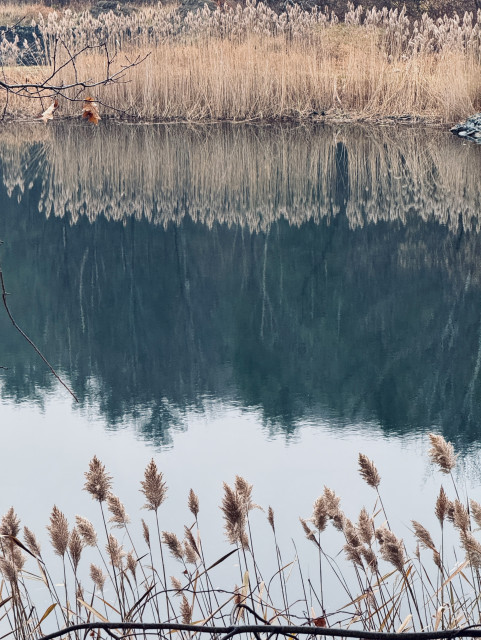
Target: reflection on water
306, 271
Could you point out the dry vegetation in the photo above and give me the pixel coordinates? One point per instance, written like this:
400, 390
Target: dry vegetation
105, 578
251, 63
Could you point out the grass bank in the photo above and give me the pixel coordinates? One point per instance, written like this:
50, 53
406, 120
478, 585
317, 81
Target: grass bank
117, 570
250, 63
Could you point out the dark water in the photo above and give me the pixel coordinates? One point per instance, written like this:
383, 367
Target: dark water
302, 272
306, 273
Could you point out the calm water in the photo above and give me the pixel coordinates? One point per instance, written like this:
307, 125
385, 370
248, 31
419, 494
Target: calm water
263, 301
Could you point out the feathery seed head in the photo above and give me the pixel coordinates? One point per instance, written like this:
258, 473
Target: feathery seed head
98, 481
153, 487
442, 453
58, 530
87, 531
368, 471
10, 524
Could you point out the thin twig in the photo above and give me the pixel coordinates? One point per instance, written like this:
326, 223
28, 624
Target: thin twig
31, 343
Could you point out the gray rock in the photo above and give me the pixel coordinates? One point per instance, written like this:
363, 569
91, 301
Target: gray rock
470, 129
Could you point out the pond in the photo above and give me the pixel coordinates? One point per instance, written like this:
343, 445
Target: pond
262, 301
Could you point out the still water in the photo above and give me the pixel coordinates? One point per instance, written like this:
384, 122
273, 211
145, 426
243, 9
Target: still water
238, 299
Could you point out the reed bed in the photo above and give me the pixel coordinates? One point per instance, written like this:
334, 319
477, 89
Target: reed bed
104, 573
251, 63
388, 174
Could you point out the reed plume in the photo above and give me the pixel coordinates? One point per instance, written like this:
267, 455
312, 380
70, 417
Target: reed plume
87, 531
233, 508
472, 548
460, 516
442, 506
391, 547
333, 509
131, 564
442, 453
193, 503
365, 526
319, 514
173, 544
185, 611
117, 509
98, 481
97, 576
423, 536
368, 471
176, 584
75, 547
370, 558
115, 552
270, 518
310, 535
58, 530
31, 542
146, 533
153, 487
191, 555
10, 524
354, 554
476, 512
8, 570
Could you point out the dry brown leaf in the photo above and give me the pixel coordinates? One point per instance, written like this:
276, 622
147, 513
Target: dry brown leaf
49, 111
90, 110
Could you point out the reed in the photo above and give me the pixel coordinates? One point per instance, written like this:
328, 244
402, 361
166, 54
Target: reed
390, 588
250, 63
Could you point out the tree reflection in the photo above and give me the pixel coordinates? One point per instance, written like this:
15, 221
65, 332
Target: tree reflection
280, 287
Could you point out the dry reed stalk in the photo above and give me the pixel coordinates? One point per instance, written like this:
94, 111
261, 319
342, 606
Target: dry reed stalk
442, 453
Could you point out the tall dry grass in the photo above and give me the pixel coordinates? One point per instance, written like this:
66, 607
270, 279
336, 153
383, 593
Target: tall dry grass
251, 63
105, 572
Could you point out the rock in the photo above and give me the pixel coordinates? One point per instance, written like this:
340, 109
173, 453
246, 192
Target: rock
470, 129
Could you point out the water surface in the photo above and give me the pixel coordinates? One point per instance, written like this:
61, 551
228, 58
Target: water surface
262, 300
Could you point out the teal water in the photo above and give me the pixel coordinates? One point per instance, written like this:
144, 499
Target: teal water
263, 301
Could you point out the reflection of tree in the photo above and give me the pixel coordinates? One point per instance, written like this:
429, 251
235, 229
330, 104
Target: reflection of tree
380, 322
